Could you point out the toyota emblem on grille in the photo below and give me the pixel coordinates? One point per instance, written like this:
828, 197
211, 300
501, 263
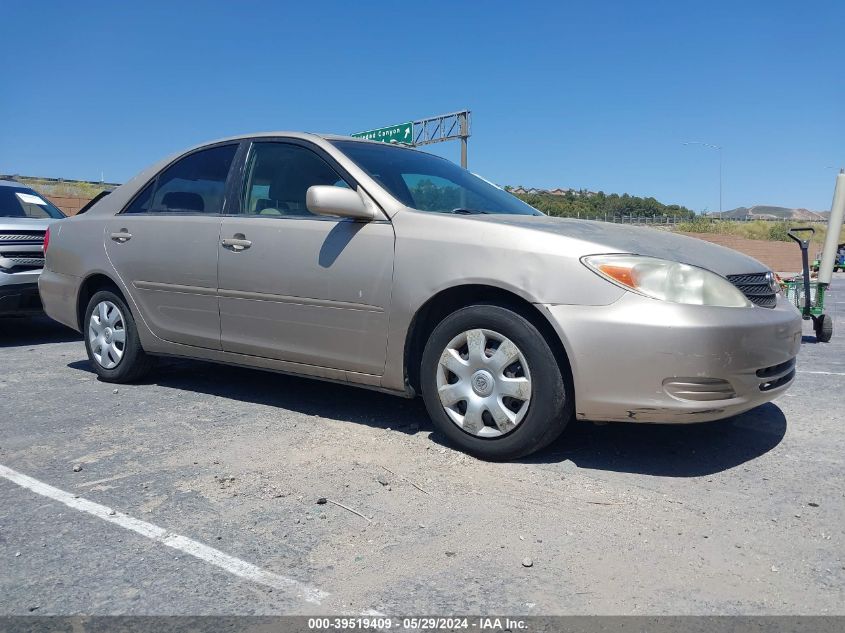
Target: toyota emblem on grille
773, 282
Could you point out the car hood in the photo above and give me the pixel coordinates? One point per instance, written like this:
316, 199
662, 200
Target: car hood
26, 224
597, 237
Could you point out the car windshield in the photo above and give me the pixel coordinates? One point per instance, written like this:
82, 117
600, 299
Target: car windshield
22, 202
429, 183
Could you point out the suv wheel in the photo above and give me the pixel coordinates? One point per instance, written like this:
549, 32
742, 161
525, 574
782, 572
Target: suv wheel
111, 339
492, 384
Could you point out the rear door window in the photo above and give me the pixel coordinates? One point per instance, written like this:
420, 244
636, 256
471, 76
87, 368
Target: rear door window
194, 184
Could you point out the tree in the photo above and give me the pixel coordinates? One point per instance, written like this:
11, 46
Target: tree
599, 205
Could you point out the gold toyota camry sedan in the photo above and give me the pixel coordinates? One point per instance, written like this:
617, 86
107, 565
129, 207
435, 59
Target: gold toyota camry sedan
392, 269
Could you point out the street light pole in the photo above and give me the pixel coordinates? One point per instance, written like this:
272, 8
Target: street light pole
719, 148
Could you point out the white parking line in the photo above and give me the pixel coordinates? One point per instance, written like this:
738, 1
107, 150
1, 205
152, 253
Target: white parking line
215, 557
822, 373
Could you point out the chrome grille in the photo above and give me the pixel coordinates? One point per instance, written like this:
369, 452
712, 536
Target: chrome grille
21, 250
18, 262
22, 237
756, 287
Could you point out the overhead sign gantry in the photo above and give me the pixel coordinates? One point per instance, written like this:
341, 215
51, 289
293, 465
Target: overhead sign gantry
436, 129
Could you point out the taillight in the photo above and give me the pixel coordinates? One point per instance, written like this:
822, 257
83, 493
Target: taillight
46, 240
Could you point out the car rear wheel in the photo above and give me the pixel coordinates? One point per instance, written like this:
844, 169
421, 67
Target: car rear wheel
492, 384
111, 340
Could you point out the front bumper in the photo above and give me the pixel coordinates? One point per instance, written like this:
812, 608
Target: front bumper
629, 358
20, 299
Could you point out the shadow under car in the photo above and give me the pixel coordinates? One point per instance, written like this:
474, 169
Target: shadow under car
668, 450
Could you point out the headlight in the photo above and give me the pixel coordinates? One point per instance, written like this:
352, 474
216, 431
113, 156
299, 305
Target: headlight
667, 280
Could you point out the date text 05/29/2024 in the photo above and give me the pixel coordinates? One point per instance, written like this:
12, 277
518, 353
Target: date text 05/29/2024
417, 623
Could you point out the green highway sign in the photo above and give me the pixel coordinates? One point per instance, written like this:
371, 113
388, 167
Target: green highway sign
401, 133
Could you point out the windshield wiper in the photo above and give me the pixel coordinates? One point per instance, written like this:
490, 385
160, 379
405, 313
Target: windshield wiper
468, 211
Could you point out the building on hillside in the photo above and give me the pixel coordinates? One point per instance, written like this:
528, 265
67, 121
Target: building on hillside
558, 191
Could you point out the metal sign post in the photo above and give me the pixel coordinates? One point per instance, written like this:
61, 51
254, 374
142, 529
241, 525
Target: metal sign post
436, 129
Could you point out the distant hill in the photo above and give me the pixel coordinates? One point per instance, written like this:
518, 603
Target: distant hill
767, 212
583, 203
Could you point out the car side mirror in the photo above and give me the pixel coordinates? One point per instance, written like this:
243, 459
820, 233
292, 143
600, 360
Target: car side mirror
337, 201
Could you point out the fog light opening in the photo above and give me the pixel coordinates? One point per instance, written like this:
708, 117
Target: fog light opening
699, 389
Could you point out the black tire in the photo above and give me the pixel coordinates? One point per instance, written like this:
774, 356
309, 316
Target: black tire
135, 363
549, 409
824, 328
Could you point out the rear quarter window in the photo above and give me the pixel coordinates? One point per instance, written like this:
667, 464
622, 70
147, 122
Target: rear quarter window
195, 183
141, 203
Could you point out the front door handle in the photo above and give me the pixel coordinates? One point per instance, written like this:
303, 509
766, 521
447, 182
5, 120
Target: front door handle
121, 236
236, 243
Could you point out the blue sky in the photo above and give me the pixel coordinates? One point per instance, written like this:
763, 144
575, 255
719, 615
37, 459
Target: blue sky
598, 95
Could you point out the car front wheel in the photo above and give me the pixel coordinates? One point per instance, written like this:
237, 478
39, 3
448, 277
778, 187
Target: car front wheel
111, 339
492, 385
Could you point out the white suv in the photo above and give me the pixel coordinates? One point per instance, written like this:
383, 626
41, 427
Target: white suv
24, 218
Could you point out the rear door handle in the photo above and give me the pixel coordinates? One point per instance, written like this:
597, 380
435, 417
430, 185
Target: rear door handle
121, 236
236, 243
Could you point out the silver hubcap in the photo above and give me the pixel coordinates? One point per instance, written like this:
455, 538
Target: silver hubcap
484, 383
107, 334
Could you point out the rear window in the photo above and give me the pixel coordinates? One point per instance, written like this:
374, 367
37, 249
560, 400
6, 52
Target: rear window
196, 183
193, 184
23, 202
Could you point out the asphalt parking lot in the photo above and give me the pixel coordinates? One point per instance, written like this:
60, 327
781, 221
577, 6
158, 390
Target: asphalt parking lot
739, 516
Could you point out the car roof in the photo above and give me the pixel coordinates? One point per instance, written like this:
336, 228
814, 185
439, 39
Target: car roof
328, 137
12, 183
301, 135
